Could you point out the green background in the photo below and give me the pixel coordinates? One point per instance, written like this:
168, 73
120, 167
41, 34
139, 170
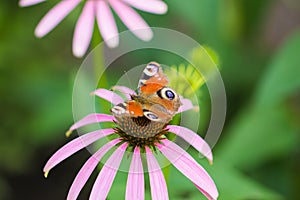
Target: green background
258, 44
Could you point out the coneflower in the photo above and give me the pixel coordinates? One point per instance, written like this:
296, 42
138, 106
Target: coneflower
141, 148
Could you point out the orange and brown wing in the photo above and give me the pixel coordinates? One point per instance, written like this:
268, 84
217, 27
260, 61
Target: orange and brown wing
152, 77
129, 108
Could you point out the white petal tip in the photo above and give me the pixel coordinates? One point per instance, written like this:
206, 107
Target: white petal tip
26, 3
78, 52
39, 33
46, 174
68, 133
144, 34
112, 43
163, 9
22, 4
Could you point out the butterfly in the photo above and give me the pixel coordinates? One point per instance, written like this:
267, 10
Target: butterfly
150, 110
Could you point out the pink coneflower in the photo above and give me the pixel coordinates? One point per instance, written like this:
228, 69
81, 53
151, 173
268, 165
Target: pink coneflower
99, 9
141, 148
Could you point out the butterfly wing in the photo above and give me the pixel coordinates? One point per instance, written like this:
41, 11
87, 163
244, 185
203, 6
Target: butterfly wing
130, 108
152, 86
152, 79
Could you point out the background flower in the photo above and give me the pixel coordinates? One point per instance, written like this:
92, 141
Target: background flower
101, 11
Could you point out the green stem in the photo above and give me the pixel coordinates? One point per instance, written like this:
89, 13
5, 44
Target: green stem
166, 172
102, 105
98, 56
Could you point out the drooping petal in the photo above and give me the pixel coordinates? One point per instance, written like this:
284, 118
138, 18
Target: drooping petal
193, 138
54, 16
186, 105
135, 187
109, 96
125, 90
107, 24
24, 3
74, 146
92, 118
151, 6
87, 169
158, 184
132, 20
189, 167
84, 29
107, 174
205, 193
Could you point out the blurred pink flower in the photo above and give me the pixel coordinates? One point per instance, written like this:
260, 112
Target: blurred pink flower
99, 10
135, 187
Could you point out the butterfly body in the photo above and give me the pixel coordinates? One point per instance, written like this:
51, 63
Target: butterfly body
148, 112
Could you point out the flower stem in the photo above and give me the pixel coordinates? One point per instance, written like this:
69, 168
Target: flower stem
166, 172
98, 56
99, 71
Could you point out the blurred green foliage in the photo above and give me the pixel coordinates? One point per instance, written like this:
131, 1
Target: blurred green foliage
257, 156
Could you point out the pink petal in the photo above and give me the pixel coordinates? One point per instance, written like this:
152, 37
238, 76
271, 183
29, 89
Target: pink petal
135, 188
125, 90
54, 16
186, 105
87, 169
92, 118
132, 20
24, 3
205, 193
189, 167
107, 24
158, 184
84, 29
109, 96
74, 146
151, 6
193, 138
107, 174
